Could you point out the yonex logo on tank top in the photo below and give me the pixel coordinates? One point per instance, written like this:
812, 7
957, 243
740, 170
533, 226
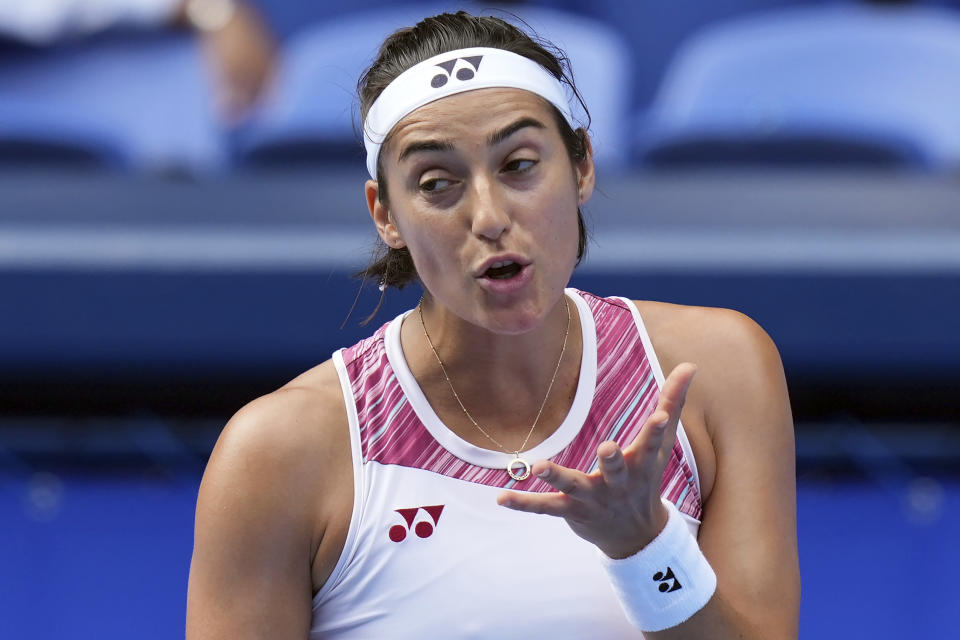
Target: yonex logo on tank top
423, 529
463, 74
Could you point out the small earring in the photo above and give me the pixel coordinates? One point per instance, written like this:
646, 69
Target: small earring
382, 286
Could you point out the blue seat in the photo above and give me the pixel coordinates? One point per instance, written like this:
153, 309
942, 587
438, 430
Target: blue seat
852, 85
139, 102
313, 116
288, 17
600, 57
309, 117
655, 28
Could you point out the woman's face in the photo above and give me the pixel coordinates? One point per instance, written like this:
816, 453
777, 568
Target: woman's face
483, 193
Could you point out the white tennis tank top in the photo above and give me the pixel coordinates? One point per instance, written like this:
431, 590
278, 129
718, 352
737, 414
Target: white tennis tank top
429, 553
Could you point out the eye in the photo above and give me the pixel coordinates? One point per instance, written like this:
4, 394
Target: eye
519, 165
433, 185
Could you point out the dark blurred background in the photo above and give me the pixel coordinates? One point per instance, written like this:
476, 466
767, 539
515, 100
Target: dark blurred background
181, 209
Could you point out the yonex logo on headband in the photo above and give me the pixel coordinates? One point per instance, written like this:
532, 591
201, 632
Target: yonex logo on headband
464, 73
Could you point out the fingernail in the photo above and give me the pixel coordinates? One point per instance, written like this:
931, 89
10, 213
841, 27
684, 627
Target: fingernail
543, 473
611, 455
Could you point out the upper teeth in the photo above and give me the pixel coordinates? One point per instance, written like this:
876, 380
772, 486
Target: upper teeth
502, 263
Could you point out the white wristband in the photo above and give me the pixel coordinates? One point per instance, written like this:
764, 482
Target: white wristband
667, 581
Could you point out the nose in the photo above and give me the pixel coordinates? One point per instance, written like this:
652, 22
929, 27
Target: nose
490, 216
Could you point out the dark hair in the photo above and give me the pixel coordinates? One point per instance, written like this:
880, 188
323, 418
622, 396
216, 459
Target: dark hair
433, 36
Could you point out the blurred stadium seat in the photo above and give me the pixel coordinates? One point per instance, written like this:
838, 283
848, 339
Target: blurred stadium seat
288, 17
314, 113
654, 29
310, 117
830, 85
122, 102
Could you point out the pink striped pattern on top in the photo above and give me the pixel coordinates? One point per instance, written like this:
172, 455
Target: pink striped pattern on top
625, 396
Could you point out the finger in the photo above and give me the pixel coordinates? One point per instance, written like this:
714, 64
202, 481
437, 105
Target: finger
568, 481
674, 391
613, 467
551, 504
660, 427
649, 441
673, 397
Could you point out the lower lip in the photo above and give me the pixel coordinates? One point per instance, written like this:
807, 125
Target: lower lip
507, 285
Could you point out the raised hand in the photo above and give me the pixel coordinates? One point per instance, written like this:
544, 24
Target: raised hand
617, 507
243, 57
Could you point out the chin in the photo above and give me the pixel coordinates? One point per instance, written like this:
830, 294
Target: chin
519, 318
514, 328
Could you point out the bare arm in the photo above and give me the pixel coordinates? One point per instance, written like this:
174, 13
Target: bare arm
240, 50
748, 532
749, 528
260, 520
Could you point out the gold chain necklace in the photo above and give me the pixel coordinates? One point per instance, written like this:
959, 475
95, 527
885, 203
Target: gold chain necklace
524, 467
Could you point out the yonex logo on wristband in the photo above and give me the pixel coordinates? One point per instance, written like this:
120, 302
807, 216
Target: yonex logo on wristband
674, 552
463, 74
664, 580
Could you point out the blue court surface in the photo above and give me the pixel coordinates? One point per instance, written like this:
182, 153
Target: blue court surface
106, 556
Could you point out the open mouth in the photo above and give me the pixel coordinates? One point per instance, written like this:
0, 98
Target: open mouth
503, 270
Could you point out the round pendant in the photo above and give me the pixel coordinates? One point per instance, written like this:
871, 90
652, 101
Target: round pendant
524, 471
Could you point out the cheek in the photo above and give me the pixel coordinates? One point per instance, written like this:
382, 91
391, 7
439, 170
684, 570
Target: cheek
564, 229
570, 241
432, 248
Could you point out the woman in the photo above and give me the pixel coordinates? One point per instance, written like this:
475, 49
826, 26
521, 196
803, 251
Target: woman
393, 491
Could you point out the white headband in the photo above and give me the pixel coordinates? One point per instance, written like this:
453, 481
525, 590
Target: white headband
454, 72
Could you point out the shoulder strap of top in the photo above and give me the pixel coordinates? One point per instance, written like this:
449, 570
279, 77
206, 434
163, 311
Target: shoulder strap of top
658, 374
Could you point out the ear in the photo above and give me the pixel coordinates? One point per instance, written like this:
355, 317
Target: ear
586, 176
382, 218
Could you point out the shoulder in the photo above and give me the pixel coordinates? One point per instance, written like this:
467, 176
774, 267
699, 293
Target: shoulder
709, 330
734, 354
738, 400
296, 414
272, 506
285, 431
267, 509
285, 442
705, 331
731, 349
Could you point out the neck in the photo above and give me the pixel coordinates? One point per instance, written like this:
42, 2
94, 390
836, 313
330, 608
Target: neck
501, 380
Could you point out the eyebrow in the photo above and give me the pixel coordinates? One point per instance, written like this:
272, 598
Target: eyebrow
499, 136
426, 145
494, 139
